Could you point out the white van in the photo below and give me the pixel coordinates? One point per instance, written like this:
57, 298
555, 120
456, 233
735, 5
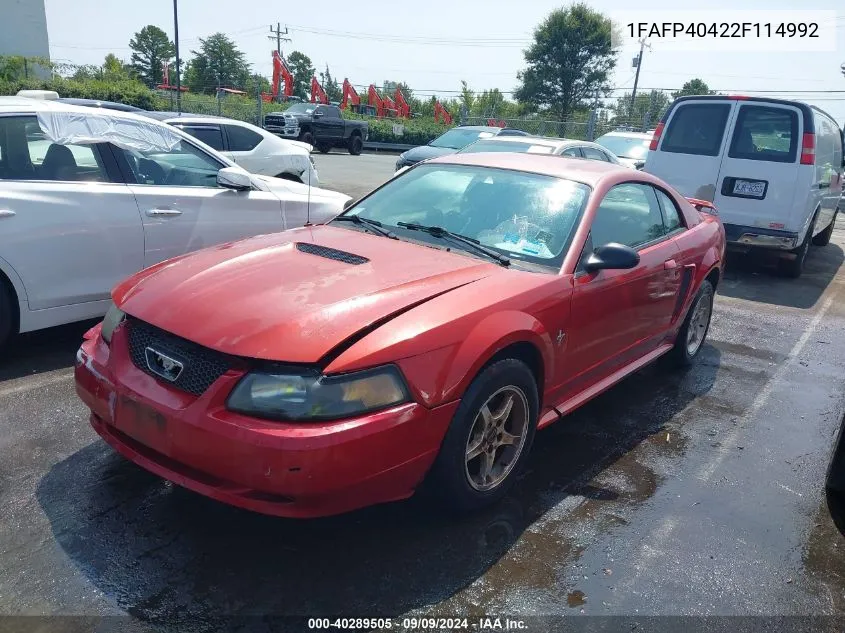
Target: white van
775, 177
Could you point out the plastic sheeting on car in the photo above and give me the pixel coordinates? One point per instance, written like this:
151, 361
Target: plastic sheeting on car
65, 127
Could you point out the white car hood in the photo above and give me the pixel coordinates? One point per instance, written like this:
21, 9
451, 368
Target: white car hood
318, 206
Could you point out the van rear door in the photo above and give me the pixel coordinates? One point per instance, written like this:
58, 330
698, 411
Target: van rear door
690, 148
758, 179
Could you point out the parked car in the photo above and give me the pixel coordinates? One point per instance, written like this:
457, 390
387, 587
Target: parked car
253, 148
543, 145
772, 167
451, 141
89, 196
322, 126
629, 147
421, 336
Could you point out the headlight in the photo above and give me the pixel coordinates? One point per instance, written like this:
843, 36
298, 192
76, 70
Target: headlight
300, 395
113, 318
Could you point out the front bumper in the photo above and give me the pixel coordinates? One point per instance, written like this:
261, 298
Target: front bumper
283, 469
750, 236
279, 129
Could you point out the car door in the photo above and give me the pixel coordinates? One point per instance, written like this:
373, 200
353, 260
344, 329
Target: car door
329, 124
246, 147
758, 179
184, 209
620, 315
69, 226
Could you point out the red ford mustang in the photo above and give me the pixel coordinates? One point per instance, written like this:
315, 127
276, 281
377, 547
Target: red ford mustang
419, 338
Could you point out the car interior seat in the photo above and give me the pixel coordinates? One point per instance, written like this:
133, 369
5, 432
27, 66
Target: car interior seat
58, 164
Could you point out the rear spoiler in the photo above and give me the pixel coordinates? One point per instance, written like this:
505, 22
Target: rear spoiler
703, 206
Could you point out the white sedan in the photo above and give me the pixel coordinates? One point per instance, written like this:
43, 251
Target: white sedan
253, 148
90, 196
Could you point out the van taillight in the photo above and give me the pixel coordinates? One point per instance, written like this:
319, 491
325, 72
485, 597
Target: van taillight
808, 149
655, 139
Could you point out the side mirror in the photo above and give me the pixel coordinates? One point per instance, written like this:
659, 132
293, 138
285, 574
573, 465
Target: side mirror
348, 203
234, 178
612, 256
317, 114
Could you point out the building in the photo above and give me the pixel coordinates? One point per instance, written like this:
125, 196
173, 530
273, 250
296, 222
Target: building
23, 29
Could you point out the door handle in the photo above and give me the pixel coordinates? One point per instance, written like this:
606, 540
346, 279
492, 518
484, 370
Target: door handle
163, 212
6, 213
670, 264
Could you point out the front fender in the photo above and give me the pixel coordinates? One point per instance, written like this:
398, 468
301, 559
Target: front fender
444, 374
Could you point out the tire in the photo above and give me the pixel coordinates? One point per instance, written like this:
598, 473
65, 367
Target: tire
795, 267
696, 326
324, 148
823, 238
356, 145
458, 483
307, 137
8, 326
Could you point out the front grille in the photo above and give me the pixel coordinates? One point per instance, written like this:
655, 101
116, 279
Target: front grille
201, 366
331, 253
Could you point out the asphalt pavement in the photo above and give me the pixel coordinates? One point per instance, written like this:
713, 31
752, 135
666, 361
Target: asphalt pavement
674, 494
354, 175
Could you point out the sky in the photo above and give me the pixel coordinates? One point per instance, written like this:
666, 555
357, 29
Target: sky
433, 45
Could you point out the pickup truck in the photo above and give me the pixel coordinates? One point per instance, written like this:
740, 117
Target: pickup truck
319, 125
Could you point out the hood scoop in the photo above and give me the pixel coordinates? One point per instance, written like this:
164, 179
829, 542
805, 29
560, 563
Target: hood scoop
331, 253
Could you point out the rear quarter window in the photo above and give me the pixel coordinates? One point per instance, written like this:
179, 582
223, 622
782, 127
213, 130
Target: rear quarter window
765, 133
697, 128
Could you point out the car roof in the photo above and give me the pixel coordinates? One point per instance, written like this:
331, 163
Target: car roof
164, 115
642, 135
480, 128
111, 105
589, 172
33, 106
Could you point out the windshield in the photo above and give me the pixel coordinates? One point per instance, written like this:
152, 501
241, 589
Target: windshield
302, 108
458, 138
526, 217
492, 145
625, 147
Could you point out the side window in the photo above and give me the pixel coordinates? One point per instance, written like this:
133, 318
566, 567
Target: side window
242, 139
696, 128
211, 135
765, 133
629, 214
183, 166
27, 154
671, 214
572, 151
593, 154
322, 110
333, 112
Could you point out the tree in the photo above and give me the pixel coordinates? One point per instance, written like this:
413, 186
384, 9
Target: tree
333, 91
648, 107
302, 70
569, 62
218, 63
114, 69
150, 49
693, 87
256, 84
467, 96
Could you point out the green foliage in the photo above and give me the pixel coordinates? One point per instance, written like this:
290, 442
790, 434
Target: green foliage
218, 62
693, 87
150, 49
333, 90
126, 91
15, 67
302, 70
648, 107
569, 63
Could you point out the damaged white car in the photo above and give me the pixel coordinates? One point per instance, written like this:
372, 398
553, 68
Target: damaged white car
253, 148
89, 197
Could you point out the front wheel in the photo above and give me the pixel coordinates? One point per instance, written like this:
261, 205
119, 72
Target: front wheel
356, 145
324, 148
695, 327
489, 439
7, 316
307, 137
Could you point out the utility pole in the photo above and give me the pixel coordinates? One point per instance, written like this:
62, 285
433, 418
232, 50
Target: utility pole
178, 69
639, 62
278, 35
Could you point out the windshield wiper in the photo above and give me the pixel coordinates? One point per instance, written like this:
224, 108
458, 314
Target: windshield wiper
375, 224
439, 231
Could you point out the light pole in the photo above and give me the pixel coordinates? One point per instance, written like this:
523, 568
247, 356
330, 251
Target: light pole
178, 69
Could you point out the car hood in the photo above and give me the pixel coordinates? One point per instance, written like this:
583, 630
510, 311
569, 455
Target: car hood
296, 145
424, 152
285, 297
284, 188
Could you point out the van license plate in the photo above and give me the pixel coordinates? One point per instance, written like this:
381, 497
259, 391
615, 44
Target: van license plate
753, 188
